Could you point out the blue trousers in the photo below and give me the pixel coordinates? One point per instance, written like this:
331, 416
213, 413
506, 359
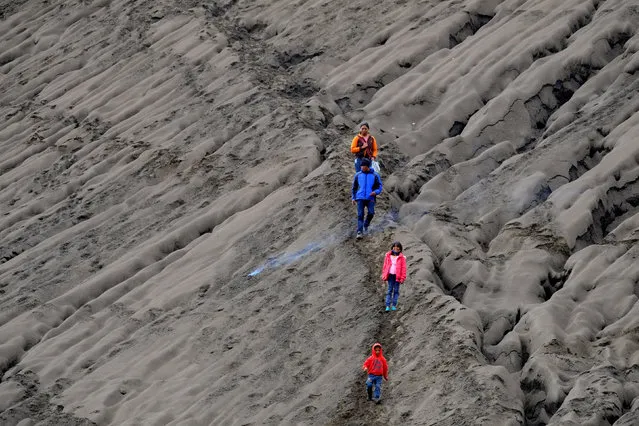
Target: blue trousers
376, 381
370, 206
393, 290
358, 164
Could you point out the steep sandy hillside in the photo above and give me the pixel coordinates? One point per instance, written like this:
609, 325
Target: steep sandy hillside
176, 231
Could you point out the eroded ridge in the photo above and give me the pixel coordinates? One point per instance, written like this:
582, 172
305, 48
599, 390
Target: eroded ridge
525, 233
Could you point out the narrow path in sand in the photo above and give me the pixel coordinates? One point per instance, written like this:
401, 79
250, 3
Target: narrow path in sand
295, 92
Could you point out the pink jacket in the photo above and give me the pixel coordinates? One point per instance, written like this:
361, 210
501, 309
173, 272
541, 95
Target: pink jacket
400, 268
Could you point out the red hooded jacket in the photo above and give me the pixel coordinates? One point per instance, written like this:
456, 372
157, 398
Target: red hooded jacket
377, 365
400, 267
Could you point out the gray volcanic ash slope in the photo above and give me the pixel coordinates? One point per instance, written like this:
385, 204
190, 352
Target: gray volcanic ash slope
176, 222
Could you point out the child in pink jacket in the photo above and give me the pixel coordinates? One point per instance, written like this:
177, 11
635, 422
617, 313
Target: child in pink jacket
394, 272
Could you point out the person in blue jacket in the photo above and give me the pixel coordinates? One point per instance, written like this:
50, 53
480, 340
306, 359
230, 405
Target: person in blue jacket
367, 185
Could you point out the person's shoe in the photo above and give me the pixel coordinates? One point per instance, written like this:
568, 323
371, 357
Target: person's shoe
378, 401
393, 308
387, 309
359, 235
369, 391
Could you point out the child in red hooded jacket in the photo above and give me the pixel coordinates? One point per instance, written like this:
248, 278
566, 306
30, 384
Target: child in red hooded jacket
394, 271
377, 368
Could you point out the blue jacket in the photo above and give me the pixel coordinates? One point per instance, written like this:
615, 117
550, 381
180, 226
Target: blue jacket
364, 184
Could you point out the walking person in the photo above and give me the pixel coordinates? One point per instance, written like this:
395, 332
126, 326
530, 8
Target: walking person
394, 272
377, 369
363, 146
367, 185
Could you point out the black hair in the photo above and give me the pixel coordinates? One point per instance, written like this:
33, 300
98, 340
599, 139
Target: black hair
398, 244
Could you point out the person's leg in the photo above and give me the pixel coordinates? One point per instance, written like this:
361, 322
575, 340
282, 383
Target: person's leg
358, 164
377, 394
360, 215
389, 293
369, 387
395, 292
391, 300
371, 213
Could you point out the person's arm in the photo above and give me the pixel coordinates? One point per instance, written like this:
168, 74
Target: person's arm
402, 276
354, 147
377, 185
385, 370
354, 188
365, 365
385, 267
374, 142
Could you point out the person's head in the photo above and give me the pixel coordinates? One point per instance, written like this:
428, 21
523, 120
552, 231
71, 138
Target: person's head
365, 165
377, 349
363, 128
397, 247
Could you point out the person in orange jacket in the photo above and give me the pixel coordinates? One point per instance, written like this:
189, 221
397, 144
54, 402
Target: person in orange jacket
364, 145
377, 368
394, 271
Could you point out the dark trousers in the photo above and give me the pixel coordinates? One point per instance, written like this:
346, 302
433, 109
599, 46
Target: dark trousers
370, 206
376, 383
393, 290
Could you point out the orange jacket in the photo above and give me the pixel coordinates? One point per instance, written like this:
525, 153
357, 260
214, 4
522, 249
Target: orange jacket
377, 365
369, 152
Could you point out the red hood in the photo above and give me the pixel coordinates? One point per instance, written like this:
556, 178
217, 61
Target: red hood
381, 350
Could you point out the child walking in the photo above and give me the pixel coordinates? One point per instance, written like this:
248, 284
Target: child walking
394, 272
377, 368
